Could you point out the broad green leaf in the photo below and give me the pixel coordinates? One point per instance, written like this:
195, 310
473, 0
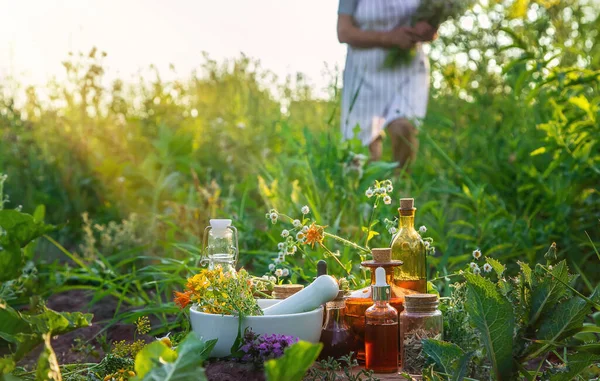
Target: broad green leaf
526, 271
546, 291
557, 325
7, 365
11, 261
448, 356
11, 321
187, 364
294, 363
577, 363
493, 316
22, 227
58, 322
152, 354
497, 266
47, 365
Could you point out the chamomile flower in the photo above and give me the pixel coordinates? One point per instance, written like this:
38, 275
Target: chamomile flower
477, 254
278, 272
304, 229
271, 267
285, 233
281, 245
387, 200
487, 267
476, 271
305, 209
389, 188
369, 193
297, 223
427, 244
272, 278
300, 235
473, 265
392, 230
286, 272
422, 229
277, 261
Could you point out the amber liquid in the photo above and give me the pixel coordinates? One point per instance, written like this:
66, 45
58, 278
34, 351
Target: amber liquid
381, 347
355, 316
419, 286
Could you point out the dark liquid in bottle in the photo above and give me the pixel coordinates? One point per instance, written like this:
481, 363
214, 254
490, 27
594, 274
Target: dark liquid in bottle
381, 347
336, 343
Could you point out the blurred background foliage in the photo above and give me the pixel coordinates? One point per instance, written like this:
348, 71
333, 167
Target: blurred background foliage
509, 158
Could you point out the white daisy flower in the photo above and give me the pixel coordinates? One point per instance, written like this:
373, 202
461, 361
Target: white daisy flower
477, 254
278, 273
369, 193
280, 245
422, 229
473, 265
297, 223
476, 271
300, 236
273, 216
305, 209
387, 200
427, 244
286, 272
487, 267
277, 261
304, 229
389, 188
285, 233
271, 267
272, 278
393, 230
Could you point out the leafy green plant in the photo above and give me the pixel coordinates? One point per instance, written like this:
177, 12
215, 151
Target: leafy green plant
329, 370
519, 321
294, 363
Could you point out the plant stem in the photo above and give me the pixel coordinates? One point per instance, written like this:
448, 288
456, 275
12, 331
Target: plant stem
337, 260
369, 222
347, 243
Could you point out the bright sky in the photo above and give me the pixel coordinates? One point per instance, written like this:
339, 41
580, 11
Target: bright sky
286, 35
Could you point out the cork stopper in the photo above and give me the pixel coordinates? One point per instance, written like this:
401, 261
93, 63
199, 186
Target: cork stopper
407, 203
421, 302
283, 291
382, 255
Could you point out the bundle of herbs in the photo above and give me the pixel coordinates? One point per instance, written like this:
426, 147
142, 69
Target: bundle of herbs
434, 13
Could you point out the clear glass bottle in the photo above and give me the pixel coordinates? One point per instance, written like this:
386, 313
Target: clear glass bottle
408, 247
358, 301
381, 329
220, 243
336, 336
420, 320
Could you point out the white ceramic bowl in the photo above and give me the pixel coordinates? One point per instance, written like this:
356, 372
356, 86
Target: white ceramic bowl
305, 326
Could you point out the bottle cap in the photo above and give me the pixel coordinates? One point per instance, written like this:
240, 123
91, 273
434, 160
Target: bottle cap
381, 290
382, 255
219, 226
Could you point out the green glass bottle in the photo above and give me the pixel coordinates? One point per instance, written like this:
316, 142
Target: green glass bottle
408, 247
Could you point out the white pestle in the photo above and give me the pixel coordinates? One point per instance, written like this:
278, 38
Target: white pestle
319, 292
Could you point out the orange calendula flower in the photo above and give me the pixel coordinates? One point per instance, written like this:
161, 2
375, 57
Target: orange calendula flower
314, 234
182, 299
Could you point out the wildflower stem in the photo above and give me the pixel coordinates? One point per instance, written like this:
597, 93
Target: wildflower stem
370, 220
337, 260
347, 243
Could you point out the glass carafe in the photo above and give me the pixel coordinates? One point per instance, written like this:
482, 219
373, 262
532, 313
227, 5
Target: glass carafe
220, 245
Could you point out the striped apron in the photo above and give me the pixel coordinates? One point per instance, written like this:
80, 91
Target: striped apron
374, 96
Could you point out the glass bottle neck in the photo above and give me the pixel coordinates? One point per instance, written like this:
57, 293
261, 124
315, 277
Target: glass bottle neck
381, 303
407, 219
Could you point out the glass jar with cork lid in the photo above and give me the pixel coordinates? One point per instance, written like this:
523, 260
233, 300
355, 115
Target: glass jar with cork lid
421, 319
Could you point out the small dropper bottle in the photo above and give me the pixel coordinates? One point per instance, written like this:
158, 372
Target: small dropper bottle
381, 329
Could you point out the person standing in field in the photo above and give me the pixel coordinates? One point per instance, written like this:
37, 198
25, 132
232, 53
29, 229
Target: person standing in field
375, 97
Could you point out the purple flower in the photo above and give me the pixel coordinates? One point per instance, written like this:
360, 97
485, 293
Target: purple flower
260, 348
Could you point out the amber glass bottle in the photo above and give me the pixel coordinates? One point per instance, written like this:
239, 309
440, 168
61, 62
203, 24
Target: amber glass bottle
359, 301
381, 329
408, 247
